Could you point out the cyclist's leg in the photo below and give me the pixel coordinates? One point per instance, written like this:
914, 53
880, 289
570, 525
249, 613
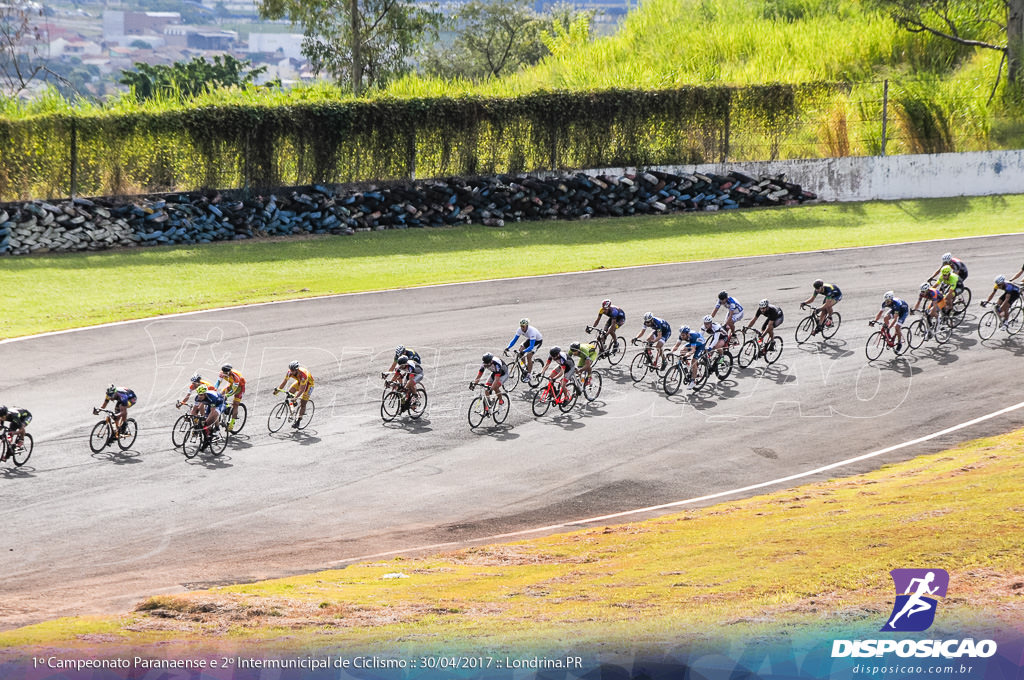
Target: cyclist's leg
306, 394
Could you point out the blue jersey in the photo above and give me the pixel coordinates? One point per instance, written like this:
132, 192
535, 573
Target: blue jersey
614, 312
211, 397
1010, 288
661, 326
123, 396
897, 306
692, 339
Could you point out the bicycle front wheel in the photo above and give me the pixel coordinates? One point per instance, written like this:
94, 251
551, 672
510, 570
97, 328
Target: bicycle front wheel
943, 331
1015, 321
774, 350
832, 322
180, 430
501, 409
278, 417
804, 330
569, 396
100, 437
958, 312
673, 379
638, 367
240, 417
988, 325
723, 367
218, 441
193, 442
476, 412
875, 345
21, 454
308, 415
542, 400
748, 352
419, 404
918, 331
616, 351
390, 405
512, 375
128, 435
592, 390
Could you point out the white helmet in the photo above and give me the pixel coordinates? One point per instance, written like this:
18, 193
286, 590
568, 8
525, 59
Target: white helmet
888, 295
647, 317
925, 286
1000, 280
947, 258
763, 303
707, 318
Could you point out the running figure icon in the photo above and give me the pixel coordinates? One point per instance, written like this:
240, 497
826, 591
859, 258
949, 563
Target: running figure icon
914, 609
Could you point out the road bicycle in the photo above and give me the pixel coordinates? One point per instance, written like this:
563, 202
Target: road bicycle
882, 339
490, 404
647, 361
554, 392
517, 369
240, 418
614, 352
756, 346
287, 411
957, 312
19, 454
104, 433
395, 401
991, 322
196, 439
927, 326
710, 362
810, 325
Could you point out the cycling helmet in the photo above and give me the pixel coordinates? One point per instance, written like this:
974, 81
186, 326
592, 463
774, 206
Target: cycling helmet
554, 351
111, 391
947, 258
294, 366
226, 368
196, 378
487, 358
3, 411
925, 286
946, 270
399, 351
524, 321
818, 283
201, 389
723, 295
574, 347
763, 303
605, 304
684, 331
707, 318
403, 360
647, 317
1000, 280
888, 295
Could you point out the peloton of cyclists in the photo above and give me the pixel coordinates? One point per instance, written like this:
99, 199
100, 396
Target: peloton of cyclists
895, 310
532, 340
1010, 294
660, 332
831, 294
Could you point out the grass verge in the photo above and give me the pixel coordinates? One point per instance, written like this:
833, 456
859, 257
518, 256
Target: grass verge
815, 558
82, 289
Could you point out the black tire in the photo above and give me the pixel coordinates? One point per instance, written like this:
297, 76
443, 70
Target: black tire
278, 417
638, 367
1016, 320
723, 366
240, 418
667, 362
943, 331
874, 346
958, 312
501, 409
390, 405
193, 442
21, 454
592, 390
310, 410
774, 350
804, 329
100, 437
748, 352
673, 379
988, 325
180, 430
476, 412
908, 342
542, 400
218, 442
512, 375
419, 406
832, 322
703, 372
616, 351
966, 295
918, 333
538, 370
572, 394
127, 438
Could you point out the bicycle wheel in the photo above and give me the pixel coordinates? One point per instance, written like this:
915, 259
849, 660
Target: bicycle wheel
832, 322
193, 442
476, 412
616, 351
128, 435
907, 342
723, 366
100, 437
180, 429
278, 417
308, 416
1015, 322
875, 345
988, 325
501, 409
418, 406
390, 405
804, 329
958, 312
512, 375
673, 379
241, 416
535, 377
918, 332
667, 362
943, 331
966, 295
748, 352
592, 390
21, 454
569, 396
542, 400
218, 441
702, 373
774, 350
638, 367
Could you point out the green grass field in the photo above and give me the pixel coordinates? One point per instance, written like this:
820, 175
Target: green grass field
82, 289
812, 558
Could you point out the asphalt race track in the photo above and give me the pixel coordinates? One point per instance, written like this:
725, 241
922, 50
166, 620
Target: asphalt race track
88, 533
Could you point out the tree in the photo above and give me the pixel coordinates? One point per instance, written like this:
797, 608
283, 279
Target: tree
188, 79
363, 43
24, 48
988, 24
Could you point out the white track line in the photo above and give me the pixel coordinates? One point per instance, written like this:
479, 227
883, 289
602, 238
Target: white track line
507, 278
688, 501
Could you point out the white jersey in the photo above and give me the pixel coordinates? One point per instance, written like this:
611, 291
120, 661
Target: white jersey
530, 334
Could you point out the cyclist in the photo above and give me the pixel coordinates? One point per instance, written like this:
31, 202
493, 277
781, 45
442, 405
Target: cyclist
1011, 293
734, 313
532, 340
832, 295
935, 300
123, 399
303, 387
895, 310
402, 351
498, 372
15, 419
948, 283
235, 385
213, 402
958, 267
660, 332
563, 365
715, 336
616, 319
410, 374
587, 353
195, 381
694, 342
772, 319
